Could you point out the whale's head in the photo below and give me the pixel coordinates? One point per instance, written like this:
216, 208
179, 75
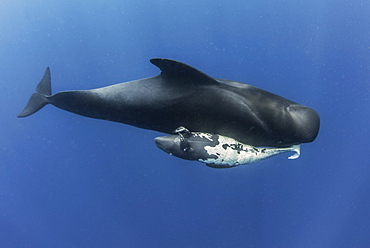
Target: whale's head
306, 123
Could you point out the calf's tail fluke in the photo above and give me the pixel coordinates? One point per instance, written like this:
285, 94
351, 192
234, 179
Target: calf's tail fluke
39, 98
297, 150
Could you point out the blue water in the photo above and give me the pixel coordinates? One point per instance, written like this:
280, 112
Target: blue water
71, 181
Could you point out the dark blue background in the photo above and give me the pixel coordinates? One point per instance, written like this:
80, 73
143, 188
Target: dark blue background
70, 181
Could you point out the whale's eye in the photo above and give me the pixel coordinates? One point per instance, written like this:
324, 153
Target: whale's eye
184, 144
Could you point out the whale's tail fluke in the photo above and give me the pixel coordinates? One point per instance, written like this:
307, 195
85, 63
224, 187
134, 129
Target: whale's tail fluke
39, 98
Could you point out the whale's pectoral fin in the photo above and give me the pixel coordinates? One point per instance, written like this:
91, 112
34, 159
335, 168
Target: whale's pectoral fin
39, 98
178, 72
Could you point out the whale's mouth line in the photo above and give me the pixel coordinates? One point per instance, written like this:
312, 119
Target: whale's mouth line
160, 145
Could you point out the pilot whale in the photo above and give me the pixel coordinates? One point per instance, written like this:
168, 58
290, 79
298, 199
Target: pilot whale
184, 96
215, 150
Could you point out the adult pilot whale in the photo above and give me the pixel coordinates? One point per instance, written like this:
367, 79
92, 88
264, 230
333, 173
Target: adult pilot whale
184, 96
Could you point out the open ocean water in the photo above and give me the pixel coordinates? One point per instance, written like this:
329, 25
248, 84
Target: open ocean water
71, 181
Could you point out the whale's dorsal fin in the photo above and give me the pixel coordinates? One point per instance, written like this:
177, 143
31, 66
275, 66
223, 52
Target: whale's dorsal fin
182, 73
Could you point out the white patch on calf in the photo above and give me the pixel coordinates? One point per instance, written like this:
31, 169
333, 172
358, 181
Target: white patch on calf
230, 152
208, 136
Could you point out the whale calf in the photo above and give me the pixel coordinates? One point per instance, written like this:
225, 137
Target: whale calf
215, 150
184, 96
